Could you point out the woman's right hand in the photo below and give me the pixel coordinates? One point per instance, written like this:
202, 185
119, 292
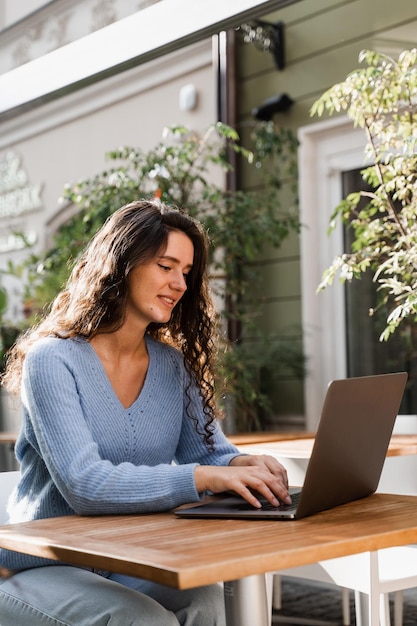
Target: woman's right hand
246, 481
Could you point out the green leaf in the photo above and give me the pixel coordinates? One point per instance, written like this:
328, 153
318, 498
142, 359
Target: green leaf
380, 97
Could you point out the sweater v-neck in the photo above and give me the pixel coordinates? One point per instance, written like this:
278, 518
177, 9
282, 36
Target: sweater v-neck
146, 383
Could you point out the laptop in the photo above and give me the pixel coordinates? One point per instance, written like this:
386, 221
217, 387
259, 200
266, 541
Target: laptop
348, 454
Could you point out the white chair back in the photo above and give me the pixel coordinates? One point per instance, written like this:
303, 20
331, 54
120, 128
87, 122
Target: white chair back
399, 474
8, 481
405, 425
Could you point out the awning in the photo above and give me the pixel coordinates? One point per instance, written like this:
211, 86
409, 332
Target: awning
150, 33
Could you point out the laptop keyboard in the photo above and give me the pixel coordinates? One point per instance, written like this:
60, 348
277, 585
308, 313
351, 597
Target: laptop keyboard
267, 506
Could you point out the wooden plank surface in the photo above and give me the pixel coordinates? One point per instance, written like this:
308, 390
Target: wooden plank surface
8, 437
402, 445
185, 553
261, 437
300, 446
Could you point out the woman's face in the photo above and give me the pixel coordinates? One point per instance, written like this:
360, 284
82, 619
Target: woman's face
155, 288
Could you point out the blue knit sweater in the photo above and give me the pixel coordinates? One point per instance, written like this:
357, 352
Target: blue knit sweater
82, 452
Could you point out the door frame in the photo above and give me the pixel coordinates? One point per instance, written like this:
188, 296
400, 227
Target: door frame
326, 149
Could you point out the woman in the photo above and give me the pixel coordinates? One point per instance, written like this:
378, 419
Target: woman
119, 417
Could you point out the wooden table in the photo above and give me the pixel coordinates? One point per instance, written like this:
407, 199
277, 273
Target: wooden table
8, 438
241, 439
185, 553
300, 445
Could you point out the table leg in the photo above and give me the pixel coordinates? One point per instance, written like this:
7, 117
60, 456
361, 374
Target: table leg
367, 610
246, 602
361, 609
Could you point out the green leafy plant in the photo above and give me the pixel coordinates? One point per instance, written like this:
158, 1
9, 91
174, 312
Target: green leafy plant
250, 370
182, 170
381, 98
8, 332
3, 307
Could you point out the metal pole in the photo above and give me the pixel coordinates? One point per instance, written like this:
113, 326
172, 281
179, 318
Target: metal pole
246, 601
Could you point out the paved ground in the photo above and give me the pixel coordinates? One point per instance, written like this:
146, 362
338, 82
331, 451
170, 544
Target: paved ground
321, 605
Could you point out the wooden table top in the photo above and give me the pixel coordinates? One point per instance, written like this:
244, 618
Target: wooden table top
8, 437
186, 553
265, 437
300, 447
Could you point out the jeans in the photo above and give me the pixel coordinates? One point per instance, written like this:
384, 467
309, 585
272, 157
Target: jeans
70, 596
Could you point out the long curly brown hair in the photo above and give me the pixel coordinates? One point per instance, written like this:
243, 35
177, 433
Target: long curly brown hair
94, 298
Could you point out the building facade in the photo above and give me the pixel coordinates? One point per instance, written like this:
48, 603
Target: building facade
50, 138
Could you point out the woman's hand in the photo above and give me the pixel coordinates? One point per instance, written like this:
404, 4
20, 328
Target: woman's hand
247, 475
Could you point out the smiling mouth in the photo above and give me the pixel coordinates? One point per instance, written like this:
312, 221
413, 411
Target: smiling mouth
169, 301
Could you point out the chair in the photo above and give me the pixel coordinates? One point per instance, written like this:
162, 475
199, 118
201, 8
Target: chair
8, 480
372, 576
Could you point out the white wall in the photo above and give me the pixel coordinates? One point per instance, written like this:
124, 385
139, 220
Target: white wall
13, 11
47, 25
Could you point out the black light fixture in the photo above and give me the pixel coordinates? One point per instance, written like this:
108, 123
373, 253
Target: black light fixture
267, 37
276, 104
